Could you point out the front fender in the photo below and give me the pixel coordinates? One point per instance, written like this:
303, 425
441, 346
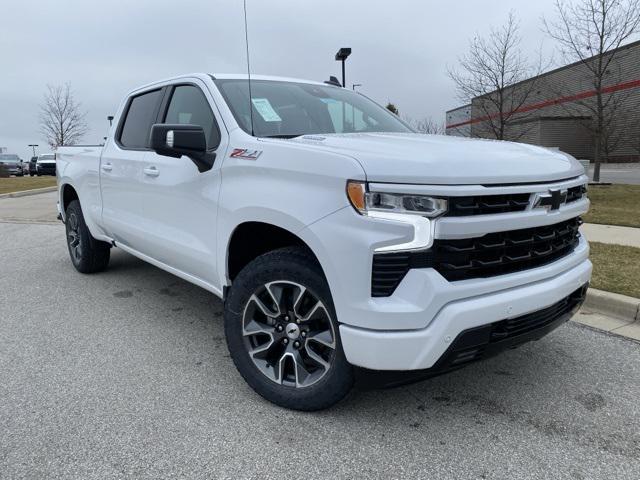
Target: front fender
264, 215
289, 186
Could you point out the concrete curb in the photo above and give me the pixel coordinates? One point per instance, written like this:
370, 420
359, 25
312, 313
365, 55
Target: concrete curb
25, 193
611, 234
613, 304
612, 313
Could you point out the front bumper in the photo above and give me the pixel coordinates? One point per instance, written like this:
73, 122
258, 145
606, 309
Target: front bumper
344, 243
46, 169
423, 348
483, 342
13, 170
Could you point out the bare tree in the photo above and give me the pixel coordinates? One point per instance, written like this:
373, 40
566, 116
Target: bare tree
491, 75
426, 125
61, 120
591, 32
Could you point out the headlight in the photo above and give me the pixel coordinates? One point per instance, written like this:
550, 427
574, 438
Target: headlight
415, 210
366, 202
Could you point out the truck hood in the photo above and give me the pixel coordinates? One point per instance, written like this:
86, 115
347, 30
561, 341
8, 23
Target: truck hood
440, 159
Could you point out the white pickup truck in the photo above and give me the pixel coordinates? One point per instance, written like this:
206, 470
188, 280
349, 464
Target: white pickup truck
341, 242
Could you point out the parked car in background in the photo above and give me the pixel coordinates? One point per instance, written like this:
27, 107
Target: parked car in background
11, 164
46, 164
24, 164
32, 166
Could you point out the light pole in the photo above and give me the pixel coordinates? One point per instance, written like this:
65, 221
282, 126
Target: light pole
33, 145
353, 87
341, 56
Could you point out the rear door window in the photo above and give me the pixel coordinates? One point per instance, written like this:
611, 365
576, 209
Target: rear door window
141, 114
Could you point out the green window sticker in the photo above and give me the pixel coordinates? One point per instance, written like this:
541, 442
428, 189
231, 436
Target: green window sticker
266, 111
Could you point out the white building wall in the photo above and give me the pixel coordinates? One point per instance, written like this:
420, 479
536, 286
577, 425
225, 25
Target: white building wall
460, 115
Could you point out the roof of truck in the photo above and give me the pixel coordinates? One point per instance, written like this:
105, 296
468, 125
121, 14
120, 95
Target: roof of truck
221, 76
244, 76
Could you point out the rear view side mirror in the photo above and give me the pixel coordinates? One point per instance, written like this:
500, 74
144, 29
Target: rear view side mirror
176, 140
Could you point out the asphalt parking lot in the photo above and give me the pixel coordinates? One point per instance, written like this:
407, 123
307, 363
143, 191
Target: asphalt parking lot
125, 374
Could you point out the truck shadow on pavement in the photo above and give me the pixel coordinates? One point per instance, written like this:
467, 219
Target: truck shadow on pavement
554, 389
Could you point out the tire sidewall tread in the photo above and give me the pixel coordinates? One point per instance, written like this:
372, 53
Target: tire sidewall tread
294, 264
95, 253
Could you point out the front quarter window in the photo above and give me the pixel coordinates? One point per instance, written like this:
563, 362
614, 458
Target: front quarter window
188, 105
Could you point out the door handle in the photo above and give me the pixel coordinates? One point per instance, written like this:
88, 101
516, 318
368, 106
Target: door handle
151, 171
107, 167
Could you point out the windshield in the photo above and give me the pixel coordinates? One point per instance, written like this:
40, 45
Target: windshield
48, 156
287, 109
9, 157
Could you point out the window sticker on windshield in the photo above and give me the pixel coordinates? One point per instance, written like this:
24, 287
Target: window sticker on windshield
266, 111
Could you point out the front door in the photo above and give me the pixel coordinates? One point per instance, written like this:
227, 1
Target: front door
180, 203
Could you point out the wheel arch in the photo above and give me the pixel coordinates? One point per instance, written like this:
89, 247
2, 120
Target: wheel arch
68, 194
250, 239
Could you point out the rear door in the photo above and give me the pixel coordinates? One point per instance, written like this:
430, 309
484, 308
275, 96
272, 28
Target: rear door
123, 200
181, 204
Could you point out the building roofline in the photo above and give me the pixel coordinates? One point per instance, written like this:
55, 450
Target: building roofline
574, 64
565, 67
458, 108
551, 72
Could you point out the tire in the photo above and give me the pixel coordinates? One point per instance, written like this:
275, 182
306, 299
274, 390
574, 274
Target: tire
297, 359
88, 255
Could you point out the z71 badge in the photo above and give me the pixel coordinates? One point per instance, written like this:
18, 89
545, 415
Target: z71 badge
246, 154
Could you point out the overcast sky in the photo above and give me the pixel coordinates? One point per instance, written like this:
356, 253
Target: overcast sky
401, 49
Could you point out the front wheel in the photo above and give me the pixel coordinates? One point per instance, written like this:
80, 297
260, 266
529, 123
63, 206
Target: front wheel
88, 255
282, 332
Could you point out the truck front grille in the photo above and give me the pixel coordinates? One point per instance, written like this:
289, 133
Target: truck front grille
576, 193
491, 204
491, 255
487, 204
504, 252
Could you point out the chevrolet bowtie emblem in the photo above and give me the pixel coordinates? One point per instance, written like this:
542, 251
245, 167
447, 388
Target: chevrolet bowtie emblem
553, 200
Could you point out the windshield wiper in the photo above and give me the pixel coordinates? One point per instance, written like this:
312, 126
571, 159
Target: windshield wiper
282, 136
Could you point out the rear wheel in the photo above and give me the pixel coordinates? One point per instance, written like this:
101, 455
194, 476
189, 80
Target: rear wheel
88, 255
282, 332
